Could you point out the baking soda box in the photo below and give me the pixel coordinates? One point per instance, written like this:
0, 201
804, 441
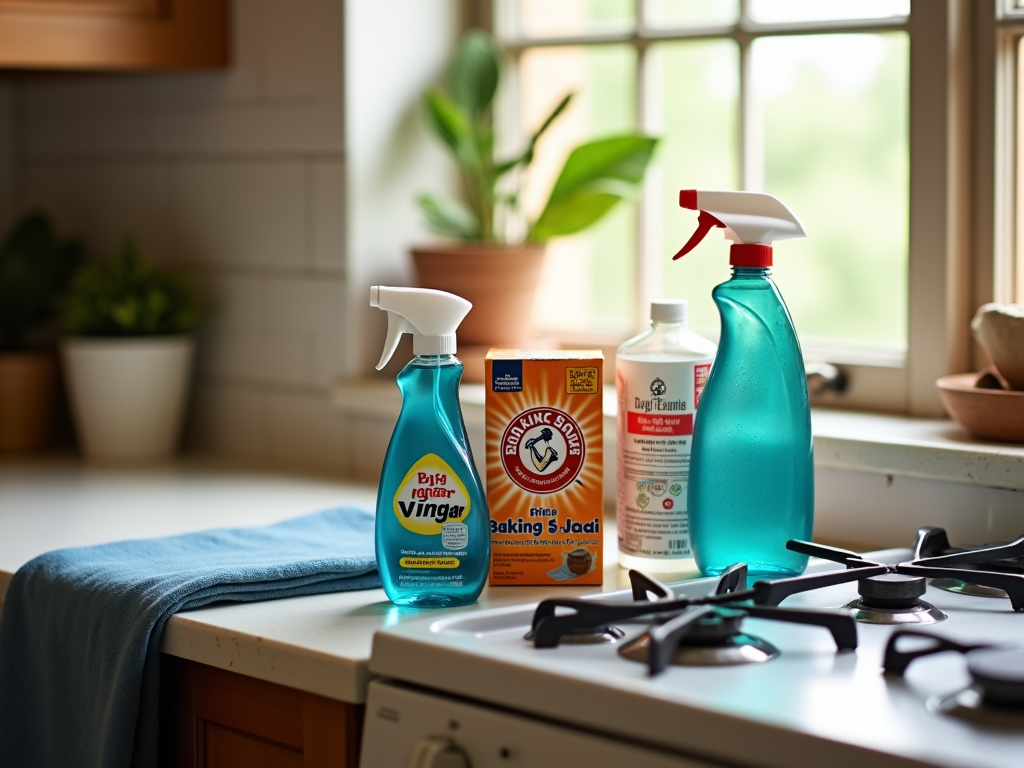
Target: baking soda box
545, 466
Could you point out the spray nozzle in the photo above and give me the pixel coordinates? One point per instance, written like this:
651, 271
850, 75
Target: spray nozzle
753, 220
705, 223
431, 316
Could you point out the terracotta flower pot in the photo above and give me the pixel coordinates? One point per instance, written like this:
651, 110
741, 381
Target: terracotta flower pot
28, 385
500, 281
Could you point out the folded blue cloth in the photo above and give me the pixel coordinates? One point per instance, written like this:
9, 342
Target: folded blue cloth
80, 629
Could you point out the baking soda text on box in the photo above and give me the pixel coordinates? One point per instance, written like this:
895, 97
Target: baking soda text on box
545, 466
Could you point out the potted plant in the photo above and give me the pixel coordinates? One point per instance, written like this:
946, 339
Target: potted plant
128, 356
35, 267
483, 260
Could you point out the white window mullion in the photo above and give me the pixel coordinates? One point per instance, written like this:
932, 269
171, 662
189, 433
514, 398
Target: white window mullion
751, 123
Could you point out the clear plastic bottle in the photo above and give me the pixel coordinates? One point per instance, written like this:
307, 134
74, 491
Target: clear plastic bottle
659, 375
433, 527
752, 485
438, 559
752, 488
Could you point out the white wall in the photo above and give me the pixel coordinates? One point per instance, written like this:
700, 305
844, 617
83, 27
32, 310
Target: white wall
870, 510
391, 154
239, 177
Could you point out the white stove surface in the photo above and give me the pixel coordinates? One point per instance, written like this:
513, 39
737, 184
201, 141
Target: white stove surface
810, 706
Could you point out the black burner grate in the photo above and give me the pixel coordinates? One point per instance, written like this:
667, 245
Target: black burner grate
889, 594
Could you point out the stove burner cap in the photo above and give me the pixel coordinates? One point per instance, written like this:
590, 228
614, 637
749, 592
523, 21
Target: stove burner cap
587, 636
891, 590
715, 628
739, 649
966, 588
999, 676
879, 611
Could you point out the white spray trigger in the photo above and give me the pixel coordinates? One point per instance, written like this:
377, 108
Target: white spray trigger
431, 316
397, 325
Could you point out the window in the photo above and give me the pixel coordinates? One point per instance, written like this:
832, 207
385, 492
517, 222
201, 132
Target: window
868, 117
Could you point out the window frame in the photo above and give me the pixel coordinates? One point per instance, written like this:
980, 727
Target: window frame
962, 144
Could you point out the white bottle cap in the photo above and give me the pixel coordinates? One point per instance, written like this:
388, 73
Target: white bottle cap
669, 311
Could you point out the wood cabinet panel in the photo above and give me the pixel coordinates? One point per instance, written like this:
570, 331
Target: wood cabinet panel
210, 718
128, 35
227, 748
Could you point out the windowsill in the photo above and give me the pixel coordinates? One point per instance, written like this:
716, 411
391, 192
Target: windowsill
928, 449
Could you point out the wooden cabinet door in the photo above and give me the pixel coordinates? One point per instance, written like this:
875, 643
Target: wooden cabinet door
210, 718
130, 35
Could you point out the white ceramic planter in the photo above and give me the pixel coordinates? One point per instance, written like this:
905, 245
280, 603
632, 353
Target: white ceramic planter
128, 395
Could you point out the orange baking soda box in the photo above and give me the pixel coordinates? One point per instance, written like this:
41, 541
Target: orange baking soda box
545, 466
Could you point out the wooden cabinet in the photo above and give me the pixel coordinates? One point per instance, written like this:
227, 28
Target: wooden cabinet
210, 718
127, 35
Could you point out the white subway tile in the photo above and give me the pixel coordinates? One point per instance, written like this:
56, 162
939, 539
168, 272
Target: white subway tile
87, 133
257, 357
228, 420
268, 127
327, 214
306, 303
104, 201
236, 301
303, 50
305, 430
369, 437
329, 354
250, 213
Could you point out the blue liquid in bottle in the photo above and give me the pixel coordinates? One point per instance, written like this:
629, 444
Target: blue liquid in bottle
433, 536
752, 471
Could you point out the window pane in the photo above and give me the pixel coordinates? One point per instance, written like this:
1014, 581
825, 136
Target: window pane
589, 278
694, 92
775, 11
835, 118
548, 18
691, 13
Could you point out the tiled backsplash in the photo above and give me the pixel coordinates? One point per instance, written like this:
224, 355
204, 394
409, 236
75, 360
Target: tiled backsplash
238, 177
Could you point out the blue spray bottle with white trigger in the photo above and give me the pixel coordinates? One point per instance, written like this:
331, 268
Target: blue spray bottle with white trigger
751, 465
433, 536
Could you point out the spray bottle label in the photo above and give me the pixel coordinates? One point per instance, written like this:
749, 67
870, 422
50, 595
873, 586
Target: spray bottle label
657, 402
433, 501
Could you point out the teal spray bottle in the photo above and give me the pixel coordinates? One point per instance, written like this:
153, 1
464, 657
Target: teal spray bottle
751, 466
433, 536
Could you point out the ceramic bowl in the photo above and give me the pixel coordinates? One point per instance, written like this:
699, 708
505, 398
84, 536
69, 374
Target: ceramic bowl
985, 411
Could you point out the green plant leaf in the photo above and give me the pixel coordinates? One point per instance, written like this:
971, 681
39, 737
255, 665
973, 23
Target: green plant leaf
574, 213
595, 177
449, 121
35, 267
125, 295
449, 218
475, 71
527, 156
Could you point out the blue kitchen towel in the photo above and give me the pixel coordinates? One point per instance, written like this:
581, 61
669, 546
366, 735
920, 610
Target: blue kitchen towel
80, 628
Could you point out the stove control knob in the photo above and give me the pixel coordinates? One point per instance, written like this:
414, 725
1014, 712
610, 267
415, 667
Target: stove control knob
436, 752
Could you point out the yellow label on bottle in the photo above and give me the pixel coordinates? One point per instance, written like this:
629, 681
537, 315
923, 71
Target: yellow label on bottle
431, 497
429, 562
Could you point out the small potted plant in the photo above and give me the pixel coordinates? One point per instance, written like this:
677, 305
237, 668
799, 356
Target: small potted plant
128, 356
35, 267
482, 260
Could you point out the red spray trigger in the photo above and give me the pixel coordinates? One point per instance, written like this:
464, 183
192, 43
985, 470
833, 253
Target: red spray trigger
705, 222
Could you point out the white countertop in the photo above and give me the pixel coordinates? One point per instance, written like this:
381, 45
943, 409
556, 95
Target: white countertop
319, 644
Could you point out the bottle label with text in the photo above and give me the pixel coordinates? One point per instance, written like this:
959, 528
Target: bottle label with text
657, 402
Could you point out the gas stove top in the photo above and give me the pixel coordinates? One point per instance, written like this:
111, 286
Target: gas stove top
853, 672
